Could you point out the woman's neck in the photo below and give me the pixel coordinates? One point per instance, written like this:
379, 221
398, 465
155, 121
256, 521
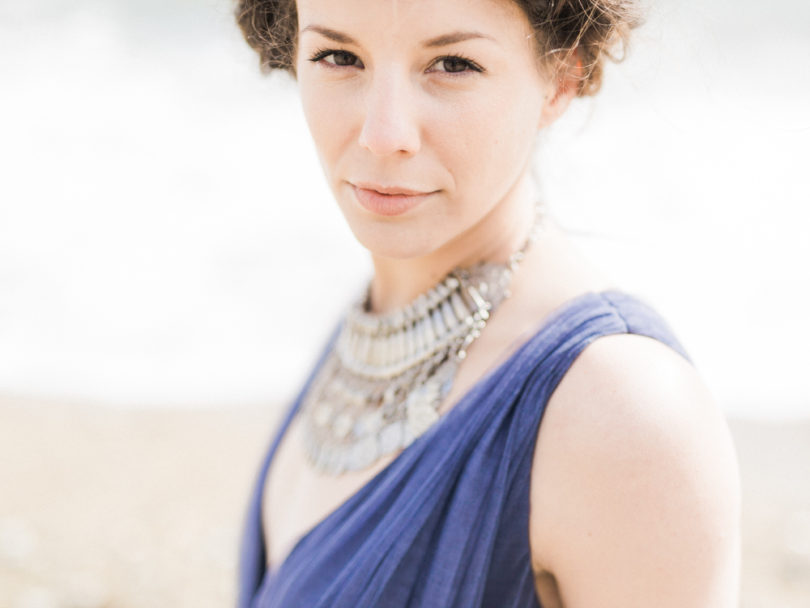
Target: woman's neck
397, 282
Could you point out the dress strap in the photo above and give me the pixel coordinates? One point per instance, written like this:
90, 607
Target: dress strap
446, 523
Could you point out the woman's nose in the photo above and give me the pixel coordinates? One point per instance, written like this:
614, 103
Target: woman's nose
390, 123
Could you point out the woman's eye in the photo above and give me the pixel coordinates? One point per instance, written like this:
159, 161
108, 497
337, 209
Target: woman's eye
338, 58
455, 65
450, 64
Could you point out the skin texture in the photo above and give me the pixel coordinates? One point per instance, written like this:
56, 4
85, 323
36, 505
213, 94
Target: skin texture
634, 487
399, 116
635, 495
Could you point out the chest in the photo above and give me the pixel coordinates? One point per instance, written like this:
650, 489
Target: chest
296, 497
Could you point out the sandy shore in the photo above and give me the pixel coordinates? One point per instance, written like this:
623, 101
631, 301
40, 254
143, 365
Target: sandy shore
103, 507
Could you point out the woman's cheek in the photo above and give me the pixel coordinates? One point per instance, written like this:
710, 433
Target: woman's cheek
323, 136
332, 117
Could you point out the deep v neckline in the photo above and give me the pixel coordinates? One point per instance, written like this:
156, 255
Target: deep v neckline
461, 403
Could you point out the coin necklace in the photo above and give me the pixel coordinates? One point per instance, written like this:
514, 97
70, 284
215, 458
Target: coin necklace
381, 385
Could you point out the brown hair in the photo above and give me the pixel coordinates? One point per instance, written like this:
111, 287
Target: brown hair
588, 30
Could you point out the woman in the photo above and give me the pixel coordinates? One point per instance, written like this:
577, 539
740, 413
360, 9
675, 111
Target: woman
413, 470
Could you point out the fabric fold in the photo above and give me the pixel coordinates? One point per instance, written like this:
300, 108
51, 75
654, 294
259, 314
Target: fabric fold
446, 522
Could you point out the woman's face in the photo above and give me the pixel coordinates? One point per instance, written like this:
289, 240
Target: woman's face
437, 97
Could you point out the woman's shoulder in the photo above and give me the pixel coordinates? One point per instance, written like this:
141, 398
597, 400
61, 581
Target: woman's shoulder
634, 470
627, 380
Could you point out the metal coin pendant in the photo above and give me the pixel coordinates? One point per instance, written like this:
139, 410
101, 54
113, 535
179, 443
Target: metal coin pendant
381, 386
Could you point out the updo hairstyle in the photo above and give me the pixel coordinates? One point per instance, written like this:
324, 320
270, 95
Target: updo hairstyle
567, 33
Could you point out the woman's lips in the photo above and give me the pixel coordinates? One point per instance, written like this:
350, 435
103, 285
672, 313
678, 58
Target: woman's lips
387, 204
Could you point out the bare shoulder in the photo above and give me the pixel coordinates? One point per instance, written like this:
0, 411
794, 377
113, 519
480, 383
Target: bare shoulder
635, 486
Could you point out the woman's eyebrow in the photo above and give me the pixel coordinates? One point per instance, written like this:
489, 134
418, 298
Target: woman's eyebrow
329, 33
442, 40
454, 37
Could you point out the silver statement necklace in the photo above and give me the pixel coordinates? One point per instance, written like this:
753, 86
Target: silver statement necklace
381, 385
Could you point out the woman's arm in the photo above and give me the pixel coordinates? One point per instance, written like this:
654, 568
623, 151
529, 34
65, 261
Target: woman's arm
635, 497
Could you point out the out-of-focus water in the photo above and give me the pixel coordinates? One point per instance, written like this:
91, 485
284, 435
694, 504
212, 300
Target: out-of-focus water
166, 236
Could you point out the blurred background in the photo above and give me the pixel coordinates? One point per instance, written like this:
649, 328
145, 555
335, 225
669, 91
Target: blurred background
171, 259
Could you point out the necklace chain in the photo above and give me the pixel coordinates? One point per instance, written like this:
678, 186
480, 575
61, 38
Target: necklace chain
383, 382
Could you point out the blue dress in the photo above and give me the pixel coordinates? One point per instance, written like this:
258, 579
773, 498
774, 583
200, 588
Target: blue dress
445, 524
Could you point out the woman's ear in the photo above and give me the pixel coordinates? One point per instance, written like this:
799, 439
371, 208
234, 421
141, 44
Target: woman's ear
563, 87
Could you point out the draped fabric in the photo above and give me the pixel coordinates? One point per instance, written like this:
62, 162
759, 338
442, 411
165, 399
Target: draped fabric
445, 524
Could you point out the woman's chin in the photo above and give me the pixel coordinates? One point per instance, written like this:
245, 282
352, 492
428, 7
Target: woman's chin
395, 242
